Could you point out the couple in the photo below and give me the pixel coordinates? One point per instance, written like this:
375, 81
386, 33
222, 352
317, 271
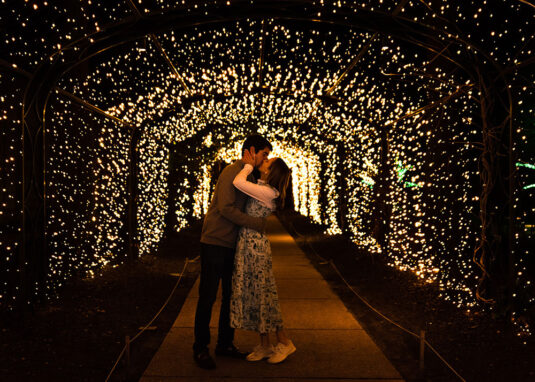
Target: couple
235, 250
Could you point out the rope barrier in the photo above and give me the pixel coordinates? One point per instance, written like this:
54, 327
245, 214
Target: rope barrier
331, 262
154, 318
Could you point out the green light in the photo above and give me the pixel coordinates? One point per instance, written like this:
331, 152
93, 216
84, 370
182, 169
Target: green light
531, 166
402, 170
401, 173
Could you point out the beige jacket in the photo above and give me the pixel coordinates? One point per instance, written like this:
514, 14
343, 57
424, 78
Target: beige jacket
226, 213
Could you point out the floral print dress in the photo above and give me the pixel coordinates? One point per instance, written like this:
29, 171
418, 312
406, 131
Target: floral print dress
254, 304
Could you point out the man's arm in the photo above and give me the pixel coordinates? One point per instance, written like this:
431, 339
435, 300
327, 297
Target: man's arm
226, 207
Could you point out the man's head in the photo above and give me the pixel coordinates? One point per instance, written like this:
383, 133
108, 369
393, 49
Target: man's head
262, 148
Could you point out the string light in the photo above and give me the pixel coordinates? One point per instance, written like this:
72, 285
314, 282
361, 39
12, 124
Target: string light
333, 137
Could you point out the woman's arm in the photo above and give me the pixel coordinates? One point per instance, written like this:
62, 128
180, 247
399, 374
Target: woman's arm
263, 194
226, 202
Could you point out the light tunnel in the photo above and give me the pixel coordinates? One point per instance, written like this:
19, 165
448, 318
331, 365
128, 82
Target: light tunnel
405, 124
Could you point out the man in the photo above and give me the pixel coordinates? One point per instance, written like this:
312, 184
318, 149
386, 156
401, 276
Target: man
218, 244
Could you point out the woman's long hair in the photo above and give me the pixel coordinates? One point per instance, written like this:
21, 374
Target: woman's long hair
279, 178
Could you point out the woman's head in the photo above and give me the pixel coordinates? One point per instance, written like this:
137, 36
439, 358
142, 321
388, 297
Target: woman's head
278, 176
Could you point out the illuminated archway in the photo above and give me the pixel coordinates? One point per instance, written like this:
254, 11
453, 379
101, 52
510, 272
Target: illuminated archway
314, 115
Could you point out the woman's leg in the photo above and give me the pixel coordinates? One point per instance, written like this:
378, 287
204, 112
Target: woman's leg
261, 351
284, 348
264, 339
281, 336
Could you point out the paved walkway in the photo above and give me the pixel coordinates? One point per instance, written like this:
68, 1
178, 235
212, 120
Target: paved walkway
331, 344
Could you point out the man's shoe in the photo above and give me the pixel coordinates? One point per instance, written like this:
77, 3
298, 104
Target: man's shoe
203, 360
260, 352
230, 351
281, 352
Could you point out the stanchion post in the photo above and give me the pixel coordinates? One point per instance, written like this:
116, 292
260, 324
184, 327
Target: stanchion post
422, 350
127, 351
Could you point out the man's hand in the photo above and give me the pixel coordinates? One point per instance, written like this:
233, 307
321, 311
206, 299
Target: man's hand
249, 157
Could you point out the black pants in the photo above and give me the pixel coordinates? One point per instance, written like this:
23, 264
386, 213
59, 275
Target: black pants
217, 263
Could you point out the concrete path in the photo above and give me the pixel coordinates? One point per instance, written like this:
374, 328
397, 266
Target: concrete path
331, 344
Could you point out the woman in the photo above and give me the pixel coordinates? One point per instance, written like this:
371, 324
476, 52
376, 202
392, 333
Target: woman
254, 304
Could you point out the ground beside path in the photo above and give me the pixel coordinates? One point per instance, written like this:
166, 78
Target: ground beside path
331, 344
78, 335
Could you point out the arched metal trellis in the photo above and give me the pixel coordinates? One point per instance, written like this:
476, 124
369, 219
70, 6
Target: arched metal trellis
440, 39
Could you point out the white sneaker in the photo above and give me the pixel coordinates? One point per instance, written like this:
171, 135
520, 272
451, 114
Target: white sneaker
259, 353
281, 351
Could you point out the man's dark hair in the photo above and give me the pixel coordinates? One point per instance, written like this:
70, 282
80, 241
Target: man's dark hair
257, 141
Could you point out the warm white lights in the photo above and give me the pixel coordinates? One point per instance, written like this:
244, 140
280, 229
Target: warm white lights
397, 139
